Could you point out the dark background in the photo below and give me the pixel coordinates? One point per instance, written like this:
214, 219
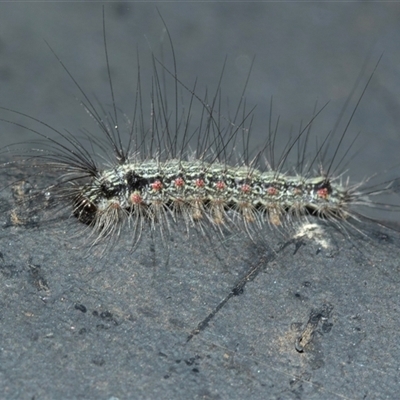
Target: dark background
140, 307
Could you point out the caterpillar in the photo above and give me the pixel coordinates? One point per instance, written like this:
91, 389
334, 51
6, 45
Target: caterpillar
154, 180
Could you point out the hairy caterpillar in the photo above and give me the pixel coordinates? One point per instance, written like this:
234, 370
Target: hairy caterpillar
154, 178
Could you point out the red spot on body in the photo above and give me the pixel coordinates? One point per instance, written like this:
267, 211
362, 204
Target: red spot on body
245, 188
156, 185
199, 183
272, 191
323, 193
136, 198
179, 182
220, 185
